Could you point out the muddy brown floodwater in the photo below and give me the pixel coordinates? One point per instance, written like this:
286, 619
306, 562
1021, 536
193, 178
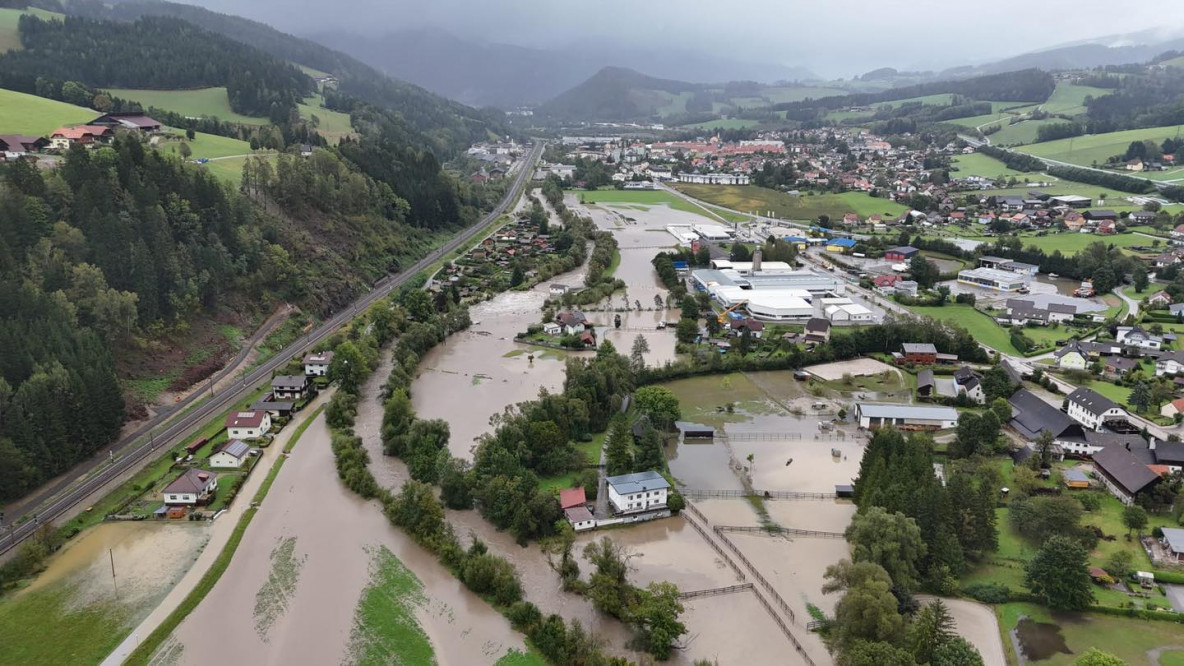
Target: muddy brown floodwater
479, 372
332, 530
149, 558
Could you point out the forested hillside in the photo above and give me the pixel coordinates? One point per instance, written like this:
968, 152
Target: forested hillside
450, 126
154, 52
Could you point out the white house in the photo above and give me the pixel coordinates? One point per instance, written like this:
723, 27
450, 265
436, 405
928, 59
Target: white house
1091, 409
1171, 363
580, 518
290, 387
1135, 336
189, 488
232, 454
551, 328
633, 493
317, 364
557, 289
248, 425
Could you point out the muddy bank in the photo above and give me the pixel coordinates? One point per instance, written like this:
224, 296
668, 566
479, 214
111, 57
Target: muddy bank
332, 531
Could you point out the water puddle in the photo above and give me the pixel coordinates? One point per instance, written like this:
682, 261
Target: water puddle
1039, 640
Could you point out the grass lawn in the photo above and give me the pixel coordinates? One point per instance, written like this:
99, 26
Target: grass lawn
1085, 150
229, 170
194, 103
1127, 638
1069, 99
29, 114
982, 327
519, 658
1071, 243
45, 627
10, 37
807, 207
978, 164
385, 627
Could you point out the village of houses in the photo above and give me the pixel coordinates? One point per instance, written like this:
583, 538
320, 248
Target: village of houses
205, 474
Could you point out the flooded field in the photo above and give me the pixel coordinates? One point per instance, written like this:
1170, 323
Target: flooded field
332, 534
485, 370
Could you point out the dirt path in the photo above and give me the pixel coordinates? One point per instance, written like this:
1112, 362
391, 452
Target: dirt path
1154, 655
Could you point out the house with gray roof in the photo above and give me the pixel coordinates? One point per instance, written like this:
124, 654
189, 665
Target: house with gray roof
1031, 416
233, 454
638, 492
1123, 473
1092, 409
1173, 543
905, 417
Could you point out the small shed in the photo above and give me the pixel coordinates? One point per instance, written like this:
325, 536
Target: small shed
1075, 478
694, 430
844, 491
1145, 578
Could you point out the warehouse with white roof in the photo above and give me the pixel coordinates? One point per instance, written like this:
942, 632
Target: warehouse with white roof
905, 417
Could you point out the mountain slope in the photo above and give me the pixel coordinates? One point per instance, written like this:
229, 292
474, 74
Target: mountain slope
506, 76
616, 93
451, 125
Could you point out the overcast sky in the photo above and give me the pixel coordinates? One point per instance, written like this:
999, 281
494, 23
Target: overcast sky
836, 38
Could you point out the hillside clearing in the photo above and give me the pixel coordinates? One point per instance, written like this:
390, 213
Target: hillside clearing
29, 114
10, 36
333, 125
203, 102
1069, 99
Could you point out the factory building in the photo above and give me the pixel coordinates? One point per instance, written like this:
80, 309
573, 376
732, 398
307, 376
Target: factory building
992, 278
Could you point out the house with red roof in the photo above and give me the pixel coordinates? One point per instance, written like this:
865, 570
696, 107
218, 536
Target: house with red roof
86, 135
572, 497
248, 425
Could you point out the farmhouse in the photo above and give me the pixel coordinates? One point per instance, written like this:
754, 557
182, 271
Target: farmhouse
16, 145
247, 425
85, 135
1092, 409
1031, 416
993, 279
1123, 473
232, 454
191, 488
132, 120
905, 417
317, 364
290, 387
633, 493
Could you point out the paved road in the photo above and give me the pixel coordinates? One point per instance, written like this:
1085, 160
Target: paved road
133, 451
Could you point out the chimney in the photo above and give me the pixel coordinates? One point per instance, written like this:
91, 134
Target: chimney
756, 260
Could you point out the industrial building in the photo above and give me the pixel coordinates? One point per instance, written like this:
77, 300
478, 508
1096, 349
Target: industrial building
993, 279
712, 231
769, 293
845, 309
905, 417
1003, 264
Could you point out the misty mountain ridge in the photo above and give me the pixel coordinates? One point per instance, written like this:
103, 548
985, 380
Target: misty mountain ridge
507, 76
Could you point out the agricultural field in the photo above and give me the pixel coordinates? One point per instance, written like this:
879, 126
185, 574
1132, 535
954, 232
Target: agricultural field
333, 125
726, 123
10, 36
1069, 99
29, 114
229, 170
193, 103
638, 197
978, 164
806, 207
1072, 243
1091, 148
1020, 133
